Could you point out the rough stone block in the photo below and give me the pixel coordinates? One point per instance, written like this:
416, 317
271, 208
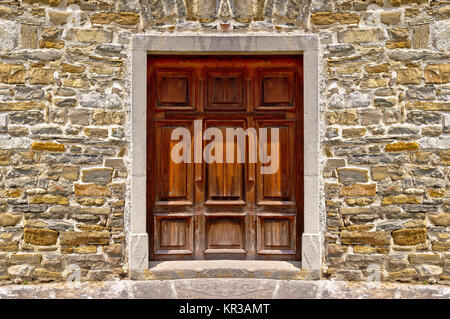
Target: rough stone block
409, 237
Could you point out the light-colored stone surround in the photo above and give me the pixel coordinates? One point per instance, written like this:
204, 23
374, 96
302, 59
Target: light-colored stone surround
312, 238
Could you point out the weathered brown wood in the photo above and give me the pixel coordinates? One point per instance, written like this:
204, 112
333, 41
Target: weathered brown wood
224, 210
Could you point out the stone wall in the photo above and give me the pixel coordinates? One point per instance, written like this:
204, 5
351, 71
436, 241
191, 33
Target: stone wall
64, 122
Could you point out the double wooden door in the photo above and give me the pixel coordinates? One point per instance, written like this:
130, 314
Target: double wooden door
229, 210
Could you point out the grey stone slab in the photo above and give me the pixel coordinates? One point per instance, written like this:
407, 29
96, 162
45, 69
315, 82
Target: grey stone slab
286, 44
225, 289
225, 269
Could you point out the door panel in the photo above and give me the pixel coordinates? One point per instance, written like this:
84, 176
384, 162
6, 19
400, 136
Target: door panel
228, 209
276, 234
225, 234
174, 185
275, 89
277, 188
174, 234
225, 180
174, 89
225, 90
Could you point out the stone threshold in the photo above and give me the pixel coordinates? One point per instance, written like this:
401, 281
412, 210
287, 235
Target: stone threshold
225, 288
187, 269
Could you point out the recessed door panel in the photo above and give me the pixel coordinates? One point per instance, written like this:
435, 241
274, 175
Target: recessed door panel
225, 235
174, 89
275, 89
225, 181
277, 187
174, 179
225, 90
174, 234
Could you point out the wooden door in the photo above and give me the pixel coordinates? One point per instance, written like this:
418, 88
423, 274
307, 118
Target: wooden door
226, 210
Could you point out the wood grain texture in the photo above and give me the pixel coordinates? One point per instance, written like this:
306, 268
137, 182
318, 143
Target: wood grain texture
225, 210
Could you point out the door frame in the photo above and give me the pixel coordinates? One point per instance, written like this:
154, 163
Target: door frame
221, 44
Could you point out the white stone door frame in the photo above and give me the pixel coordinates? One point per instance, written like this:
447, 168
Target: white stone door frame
236, 44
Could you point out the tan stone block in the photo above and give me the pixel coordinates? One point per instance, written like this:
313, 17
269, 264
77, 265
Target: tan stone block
374, 82
89, 201
360, 36
381, 68
406, 274
392, 17
34, 223
107, 118
41, 76
102, 17
356, 210
123, 18
335, 250
444, 157
8, 219
358, 190
71, 173
437, 73
327, 18
49, 199
409, 237
399, 33
70, 68
28, 36
96, 132
46, 44
421, 36
441, 219
59, 17
375, 238
379, 173
440, 246
398, 44
360, 201
91, 190
402, 146
89, 228
9, 246
428, 106
400, 199
85, 250
364, 250
12, 73
427, 259
436, 193
42, 237
342, 117
397, 3
353, 132
103, 70
51, 147
409, 76
53, 3
77, 82
30, 259
358, 228
91, 36
345, 70
127, 18
45, 275
21, 106
5, 157
72, 238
